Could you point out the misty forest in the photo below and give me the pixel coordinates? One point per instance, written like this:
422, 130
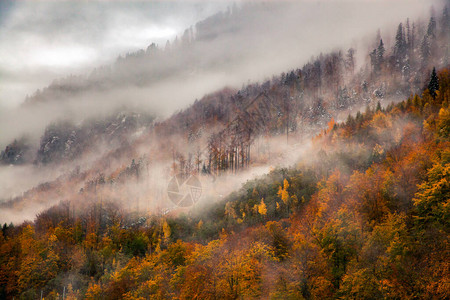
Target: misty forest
225, 150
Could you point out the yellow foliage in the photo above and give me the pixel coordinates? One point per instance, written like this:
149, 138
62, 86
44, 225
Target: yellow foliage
262, 208
70, 293
381, 121
280, 191
94, 292
285, 184
443, 123
166, 230
200, 224
229, 210
283, 193
91, 240
377, 149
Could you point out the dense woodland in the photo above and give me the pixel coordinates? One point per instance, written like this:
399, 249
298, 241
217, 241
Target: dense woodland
367, 218
225, 124
363, 215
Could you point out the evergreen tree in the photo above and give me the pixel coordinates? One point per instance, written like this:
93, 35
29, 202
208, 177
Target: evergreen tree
431, 31
445, 23
378, 106
373, 59
377, 57
412, 42
433, 85
350, 61
408, 35
400, 46
445, 34
425, 49
380, 53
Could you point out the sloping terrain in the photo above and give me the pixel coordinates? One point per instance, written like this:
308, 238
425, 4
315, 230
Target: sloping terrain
352, 205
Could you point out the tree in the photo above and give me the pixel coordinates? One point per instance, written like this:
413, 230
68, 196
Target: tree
400, 47
378, 106
94, 291
373, 60
433, 85
412, 41
284, 194
445, 23
39, 262
280, 240
431, 30
432, 200
377, 57
262, 208
166, 230
350, 61
369, 193
443, 123
408, 34
380, 53
425, 49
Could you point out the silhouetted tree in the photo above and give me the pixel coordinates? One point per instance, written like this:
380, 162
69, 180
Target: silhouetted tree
399, 47
380, 54
433, 85
431, 30
425, 49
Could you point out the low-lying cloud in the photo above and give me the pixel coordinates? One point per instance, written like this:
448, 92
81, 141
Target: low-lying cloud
247, 43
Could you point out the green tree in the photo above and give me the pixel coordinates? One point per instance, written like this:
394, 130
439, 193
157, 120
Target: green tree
432, 200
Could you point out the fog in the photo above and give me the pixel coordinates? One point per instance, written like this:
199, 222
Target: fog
45, 43
44, 40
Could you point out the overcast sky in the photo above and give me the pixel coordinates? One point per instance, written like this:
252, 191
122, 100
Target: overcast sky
43, 40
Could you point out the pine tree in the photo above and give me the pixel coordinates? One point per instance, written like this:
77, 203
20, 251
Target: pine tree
399, 38
350, 61
445, 34
431, 31
378, 106
400, 46
380, 53
433, 85
425, 49
408, 35
377, 57
373, 60
445, 23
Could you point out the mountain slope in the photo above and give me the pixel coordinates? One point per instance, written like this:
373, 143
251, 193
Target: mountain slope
366, 218
361, 211
231, 130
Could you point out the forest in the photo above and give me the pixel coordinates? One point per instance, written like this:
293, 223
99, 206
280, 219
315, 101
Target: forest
362, 212
367, 218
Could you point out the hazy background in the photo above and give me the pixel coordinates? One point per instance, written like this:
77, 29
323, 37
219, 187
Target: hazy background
41, 41
44, 40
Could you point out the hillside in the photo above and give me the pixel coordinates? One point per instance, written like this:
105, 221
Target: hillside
367, 218
327, 181
228, 130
